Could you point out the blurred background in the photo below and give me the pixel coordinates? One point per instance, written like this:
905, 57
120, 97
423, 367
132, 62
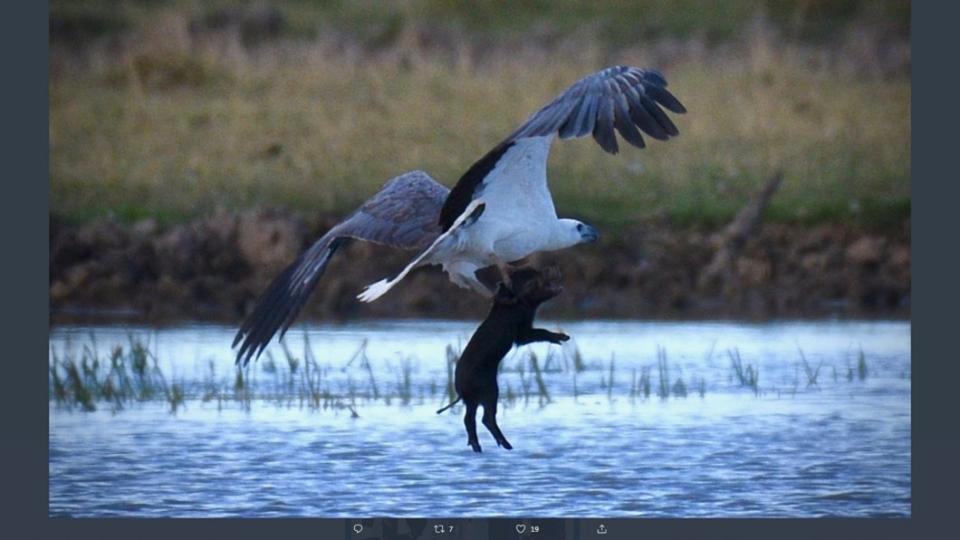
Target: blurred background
197, 147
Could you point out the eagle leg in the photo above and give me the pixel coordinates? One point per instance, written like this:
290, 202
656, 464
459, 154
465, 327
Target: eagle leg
505, 273
471, 282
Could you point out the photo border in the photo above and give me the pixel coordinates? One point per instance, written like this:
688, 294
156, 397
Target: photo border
933, 297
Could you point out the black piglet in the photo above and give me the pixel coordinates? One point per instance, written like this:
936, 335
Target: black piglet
509, 322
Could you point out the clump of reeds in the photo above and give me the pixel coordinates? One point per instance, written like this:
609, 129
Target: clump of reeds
610, 382
862, 370
452, 358
665, 388
130, 374
578, 365
663, 369
812, 373
543, 396
404, 384
748, 376
679, 388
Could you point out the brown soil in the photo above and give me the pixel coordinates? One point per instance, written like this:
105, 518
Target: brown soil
215, 268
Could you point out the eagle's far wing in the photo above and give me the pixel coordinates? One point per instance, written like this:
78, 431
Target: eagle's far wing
403, 214
622, 98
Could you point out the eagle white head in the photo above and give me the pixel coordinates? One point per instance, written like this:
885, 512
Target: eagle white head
572, 232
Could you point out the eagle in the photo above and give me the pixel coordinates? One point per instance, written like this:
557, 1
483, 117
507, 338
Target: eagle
500, 210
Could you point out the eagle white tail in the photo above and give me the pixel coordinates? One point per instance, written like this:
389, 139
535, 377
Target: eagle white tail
376, 290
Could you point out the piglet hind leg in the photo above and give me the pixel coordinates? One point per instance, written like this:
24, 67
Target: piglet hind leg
470, 421
490, 421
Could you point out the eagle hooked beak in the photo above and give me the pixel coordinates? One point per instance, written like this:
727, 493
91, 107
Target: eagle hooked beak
588, 234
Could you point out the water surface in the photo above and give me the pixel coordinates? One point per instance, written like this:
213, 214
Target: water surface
790, 447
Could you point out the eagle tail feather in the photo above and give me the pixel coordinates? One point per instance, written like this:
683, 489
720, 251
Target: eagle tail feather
469, 216
376, 290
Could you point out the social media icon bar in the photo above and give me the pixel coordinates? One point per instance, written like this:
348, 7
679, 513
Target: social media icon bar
441, 528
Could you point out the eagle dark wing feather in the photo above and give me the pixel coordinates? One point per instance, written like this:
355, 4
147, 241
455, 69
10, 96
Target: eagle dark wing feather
594, 102
624, 125
403, 214
603, 130
621, 98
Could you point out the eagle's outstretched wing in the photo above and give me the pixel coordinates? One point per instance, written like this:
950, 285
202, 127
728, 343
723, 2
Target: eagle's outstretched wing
621, 98
403, 214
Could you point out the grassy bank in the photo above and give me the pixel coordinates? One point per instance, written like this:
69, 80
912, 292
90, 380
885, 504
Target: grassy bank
173, 123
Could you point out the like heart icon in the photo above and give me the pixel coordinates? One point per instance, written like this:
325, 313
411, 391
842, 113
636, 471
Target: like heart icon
520, 528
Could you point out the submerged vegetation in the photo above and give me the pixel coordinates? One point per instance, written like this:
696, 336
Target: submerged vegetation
125, 375
86, 379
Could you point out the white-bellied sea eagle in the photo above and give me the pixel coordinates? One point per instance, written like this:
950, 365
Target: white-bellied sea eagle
499, 211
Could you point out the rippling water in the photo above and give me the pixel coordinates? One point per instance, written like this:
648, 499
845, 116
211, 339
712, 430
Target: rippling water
840, 447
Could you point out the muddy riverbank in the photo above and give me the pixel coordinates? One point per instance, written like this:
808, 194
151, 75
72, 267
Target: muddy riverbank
215, 267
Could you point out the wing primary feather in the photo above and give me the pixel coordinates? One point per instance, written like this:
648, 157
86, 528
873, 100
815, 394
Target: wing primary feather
653, 76
261, 310
603, 130
587, 118
664, 97
262, 317
265, 305
624, 124
285, 297
661, 117
642, 118
570, 126
283, 300
302, 298
620, 99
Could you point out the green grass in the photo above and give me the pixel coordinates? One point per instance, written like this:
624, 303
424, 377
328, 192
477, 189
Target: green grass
172, 129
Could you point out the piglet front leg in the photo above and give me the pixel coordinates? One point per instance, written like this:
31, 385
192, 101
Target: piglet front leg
539, 334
